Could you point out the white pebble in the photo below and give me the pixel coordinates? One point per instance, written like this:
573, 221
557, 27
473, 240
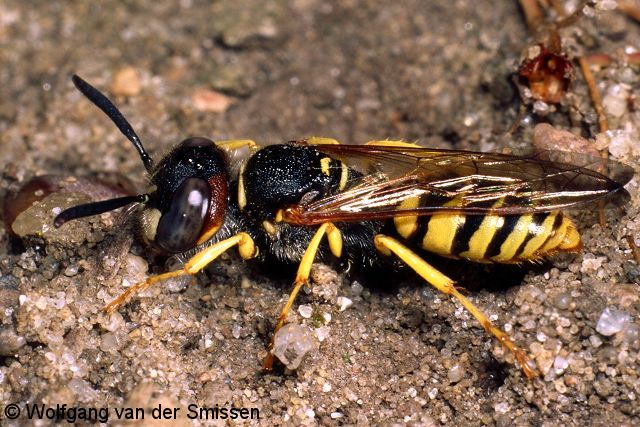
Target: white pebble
322, 333
501, 408
622, 143
326, 317
344, 303
432, 393
540, 336
560, 364
612, 321
291, 343
615, 101
606, 4
455, 374
235, 330
305, 311
595, 341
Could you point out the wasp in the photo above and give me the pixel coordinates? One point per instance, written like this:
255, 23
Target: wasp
316, 199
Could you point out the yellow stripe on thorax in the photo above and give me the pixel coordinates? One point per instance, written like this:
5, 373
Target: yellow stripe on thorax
325, 163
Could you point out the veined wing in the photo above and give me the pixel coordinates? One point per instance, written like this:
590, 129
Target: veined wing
394, 181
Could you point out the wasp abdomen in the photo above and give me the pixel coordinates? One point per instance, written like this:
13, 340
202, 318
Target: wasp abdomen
490, 238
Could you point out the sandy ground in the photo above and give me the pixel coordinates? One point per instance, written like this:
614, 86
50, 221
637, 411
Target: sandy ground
435, 72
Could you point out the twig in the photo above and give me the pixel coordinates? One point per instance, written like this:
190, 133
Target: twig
634, 248
596, 99
533, 14
603, 123
559, 8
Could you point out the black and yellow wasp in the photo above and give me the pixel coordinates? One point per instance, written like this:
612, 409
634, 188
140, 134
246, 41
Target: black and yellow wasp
381, 199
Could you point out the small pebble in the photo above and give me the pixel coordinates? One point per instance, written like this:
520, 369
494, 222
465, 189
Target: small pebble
595, 341
210, 101
562, 301
432, 393
291, 343
456, 374
126, 82
616, 100
305, 311
501, 408
322, 333
560, 364
612, 321
356, 288
343, 303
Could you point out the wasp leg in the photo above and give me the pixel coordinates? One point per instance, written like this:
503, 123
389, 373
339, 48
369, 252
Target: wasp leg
246, 247
302, 276
388, 143
387, 245
235, 144
319, 140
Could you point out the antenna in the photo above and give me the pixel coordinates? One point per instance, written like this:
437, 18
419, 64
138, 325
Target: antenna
105, 104
95, 208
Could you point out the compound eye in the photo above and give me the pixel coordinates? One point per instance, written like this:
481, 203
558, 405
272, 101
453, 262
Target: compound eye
179, 227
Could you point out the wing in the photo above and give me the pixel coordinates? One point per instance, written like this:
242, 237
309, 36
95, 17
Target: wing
392, 181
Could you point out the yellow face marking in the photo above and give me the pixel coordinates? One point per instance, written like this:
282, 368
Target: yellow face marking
344, 175
541, 234
482, 237
149, 220
242, 197
406, 226
514, 240
279, 215
269, 228
325, 163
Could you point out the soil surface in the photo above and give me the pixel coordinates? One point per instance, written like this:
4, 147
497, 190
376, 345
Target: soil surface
382, 349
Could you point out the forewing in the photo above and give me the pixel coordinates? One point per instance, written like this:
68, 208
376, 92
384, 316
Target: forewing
459, 181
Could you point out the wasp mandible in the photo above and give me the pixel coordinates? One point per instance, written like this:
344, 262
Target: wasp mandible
317, 199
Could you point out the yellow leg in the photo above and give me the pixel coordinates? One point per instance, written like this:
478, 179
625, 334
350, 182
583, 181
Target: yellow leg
200, 260
302, 276
388, 143
234, 144
319, 140
388, 245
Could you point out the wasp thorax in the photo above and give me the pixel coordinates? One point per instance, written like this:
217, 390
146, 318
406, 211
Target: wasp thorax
280, 175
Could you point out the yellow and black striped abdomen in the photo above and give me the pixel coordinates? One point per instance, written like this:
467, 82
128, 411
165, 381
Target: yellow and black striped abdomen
490, 238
